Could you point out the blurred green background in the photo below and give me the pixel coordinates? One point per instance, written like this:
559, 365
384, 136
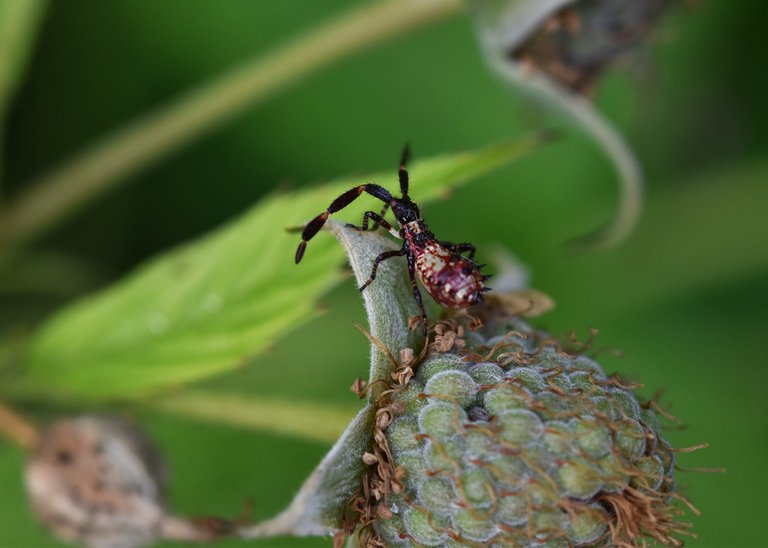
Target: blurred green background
684, 298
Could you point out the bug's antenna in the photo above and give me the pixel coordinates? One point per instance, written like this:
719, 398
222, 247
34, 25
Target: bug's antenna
403, 172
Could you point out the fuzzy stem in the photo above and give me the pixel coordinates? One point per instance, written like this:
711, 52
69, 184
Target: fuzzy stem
17, 428
147, 140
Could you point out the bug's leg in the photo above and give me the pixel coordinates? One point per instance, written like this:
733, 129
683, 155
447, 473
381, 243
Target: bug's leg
314, 226
417, 296
383, 257
383, 212
402, 173
377, 220
385, 224
460, 248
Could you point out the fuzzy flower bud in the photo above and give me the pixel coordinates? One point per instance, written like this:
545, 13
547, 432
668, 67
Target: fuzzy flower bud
518, 441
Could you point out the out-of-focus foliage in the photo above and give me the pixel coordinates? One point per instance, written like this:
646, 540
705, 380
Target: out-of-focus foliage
18, 29
684, 299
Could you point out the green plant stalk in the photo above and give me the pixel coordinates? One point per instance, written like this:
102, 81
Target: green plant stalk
2, 164
317, 422
16, 428
147, 140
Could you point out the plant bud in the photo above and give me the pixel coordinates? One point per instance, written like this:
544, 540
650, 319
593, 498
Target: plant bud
101, 482
532, 445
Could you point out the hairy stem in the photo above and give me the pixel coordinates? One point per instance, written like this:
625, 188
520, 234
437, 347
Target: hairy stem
147, 140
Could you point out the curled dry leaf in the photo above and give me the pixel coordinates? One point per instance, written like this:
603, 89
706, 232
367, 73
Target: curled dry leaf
553, 51
575, 44
526, 303
511, 296
448, 336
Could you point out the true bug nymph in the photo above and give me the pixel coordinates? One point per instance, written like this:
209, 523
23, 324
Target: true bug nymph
452, 279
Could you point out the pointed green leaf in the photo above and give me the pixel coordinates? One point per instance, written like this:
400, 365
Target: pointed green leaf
212, 304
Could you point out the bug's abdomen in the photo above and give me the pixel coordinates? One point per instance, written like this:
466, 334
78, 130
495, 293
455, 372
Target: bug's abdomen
452, 280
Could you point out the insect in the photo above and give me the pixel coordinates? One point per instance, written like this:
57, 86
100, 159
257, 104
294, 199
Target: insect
452, 279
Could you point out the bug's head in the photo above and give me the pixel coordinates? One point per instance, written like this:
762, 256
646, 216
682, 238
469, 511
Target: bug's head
405, 210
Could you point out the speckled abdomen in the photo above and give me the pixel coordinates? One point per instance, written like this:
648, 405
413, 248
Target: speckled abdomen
452, 280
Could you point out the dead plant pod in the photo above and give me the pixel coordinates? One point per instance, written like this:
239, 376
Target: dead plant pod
575, 45
100, 482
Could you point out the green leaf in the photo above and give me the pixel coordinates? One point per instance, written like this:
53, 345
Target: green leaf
212, 304
19, 21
